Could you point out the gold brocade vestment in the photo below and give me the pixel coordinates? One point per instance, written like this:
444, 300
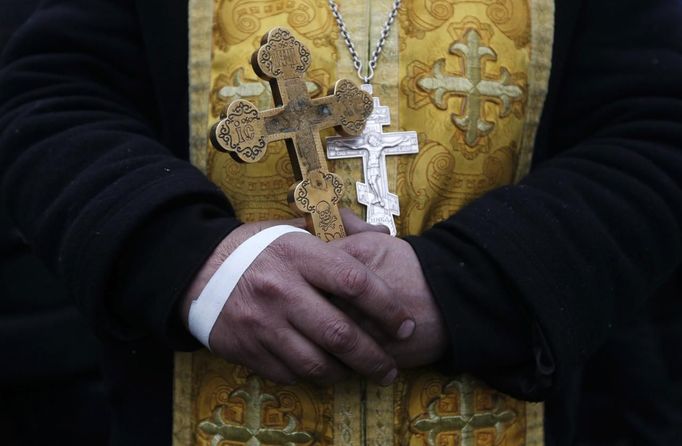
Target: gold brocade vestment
470, 76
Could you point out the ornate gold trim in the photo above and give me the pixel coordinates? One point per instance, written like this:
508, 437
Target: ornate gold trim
200, 20
379, 415
183, 424
535, 426
200, 17
348, 420
542, 38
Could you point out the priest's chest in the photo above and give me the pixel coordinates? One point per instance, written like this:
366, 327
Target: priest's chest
469, 77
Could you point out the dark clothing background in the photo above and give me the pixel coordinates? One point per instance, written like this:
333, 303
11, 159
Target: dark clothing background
14, 14
565, 287
50, 377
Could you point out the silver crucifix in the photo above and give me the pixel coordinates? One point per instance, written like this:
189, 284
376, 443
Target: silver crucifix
373, 145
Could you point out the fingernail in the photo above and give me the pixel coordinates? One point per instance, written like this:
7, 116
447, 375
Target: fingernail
390, 377
406, 329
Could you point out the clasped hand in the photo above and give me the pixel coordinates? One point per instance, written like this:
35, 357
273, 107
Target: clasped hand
314, 311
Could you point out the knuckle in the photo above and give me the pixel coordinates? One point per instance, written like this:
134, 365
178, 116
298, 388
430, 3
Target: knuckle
315, 370
340, 337
357, 250
247, 317
249, 321
355, 280
270, 286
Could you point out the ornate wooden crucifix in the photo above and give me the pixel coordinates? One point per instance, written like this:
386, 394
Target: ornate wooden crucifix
373, 145
245, 132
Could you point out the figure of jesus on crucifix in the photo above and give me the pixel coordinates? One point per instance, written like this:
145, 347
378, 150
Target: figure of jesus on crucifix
373, 145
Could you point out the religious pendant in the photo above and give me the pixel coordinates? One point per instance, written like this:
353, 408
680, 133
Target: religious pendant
244, 131
373, 145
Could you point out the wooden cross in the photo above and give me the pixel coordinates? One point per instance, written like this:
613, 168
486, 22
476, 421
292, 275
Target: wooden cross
373, 145
245, 132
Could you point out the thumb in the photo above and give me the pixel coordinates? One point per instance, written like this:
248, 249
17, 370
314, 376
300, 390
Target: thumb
355, 224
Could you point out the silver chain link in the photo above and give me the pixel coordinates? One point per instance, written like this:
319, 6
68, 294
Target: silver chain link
357, 62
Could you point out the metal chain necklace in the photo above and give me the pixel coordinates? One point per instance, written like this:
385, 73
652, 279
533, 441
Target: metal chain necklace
357, 63
373, 145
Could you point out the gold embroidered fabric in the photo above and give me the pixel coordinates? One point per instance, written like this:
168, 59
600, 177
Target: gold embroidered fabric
470, 77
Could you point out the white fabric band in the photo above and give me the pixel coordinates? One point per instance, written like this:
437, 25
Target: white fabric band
204, 311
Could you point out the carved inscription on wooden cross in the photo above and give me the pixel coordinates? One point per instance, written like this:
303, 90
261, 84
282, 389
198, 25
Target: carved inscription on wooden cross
473, 86
373, 146
245, 132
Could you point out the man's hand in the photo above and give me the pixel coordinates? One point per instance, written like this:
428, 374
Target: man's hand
394, 260
279, 322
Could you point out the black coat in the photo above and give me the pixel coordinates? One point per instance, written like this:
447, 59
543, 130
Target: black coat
569, 282
50, 378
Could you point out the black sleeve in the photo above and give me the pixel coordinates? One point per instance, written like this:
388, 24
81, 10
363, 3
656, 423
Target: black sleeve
121, 218
533, 277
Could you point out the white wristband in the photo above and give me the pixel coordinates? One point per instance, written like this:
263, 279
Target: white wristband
204, 311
